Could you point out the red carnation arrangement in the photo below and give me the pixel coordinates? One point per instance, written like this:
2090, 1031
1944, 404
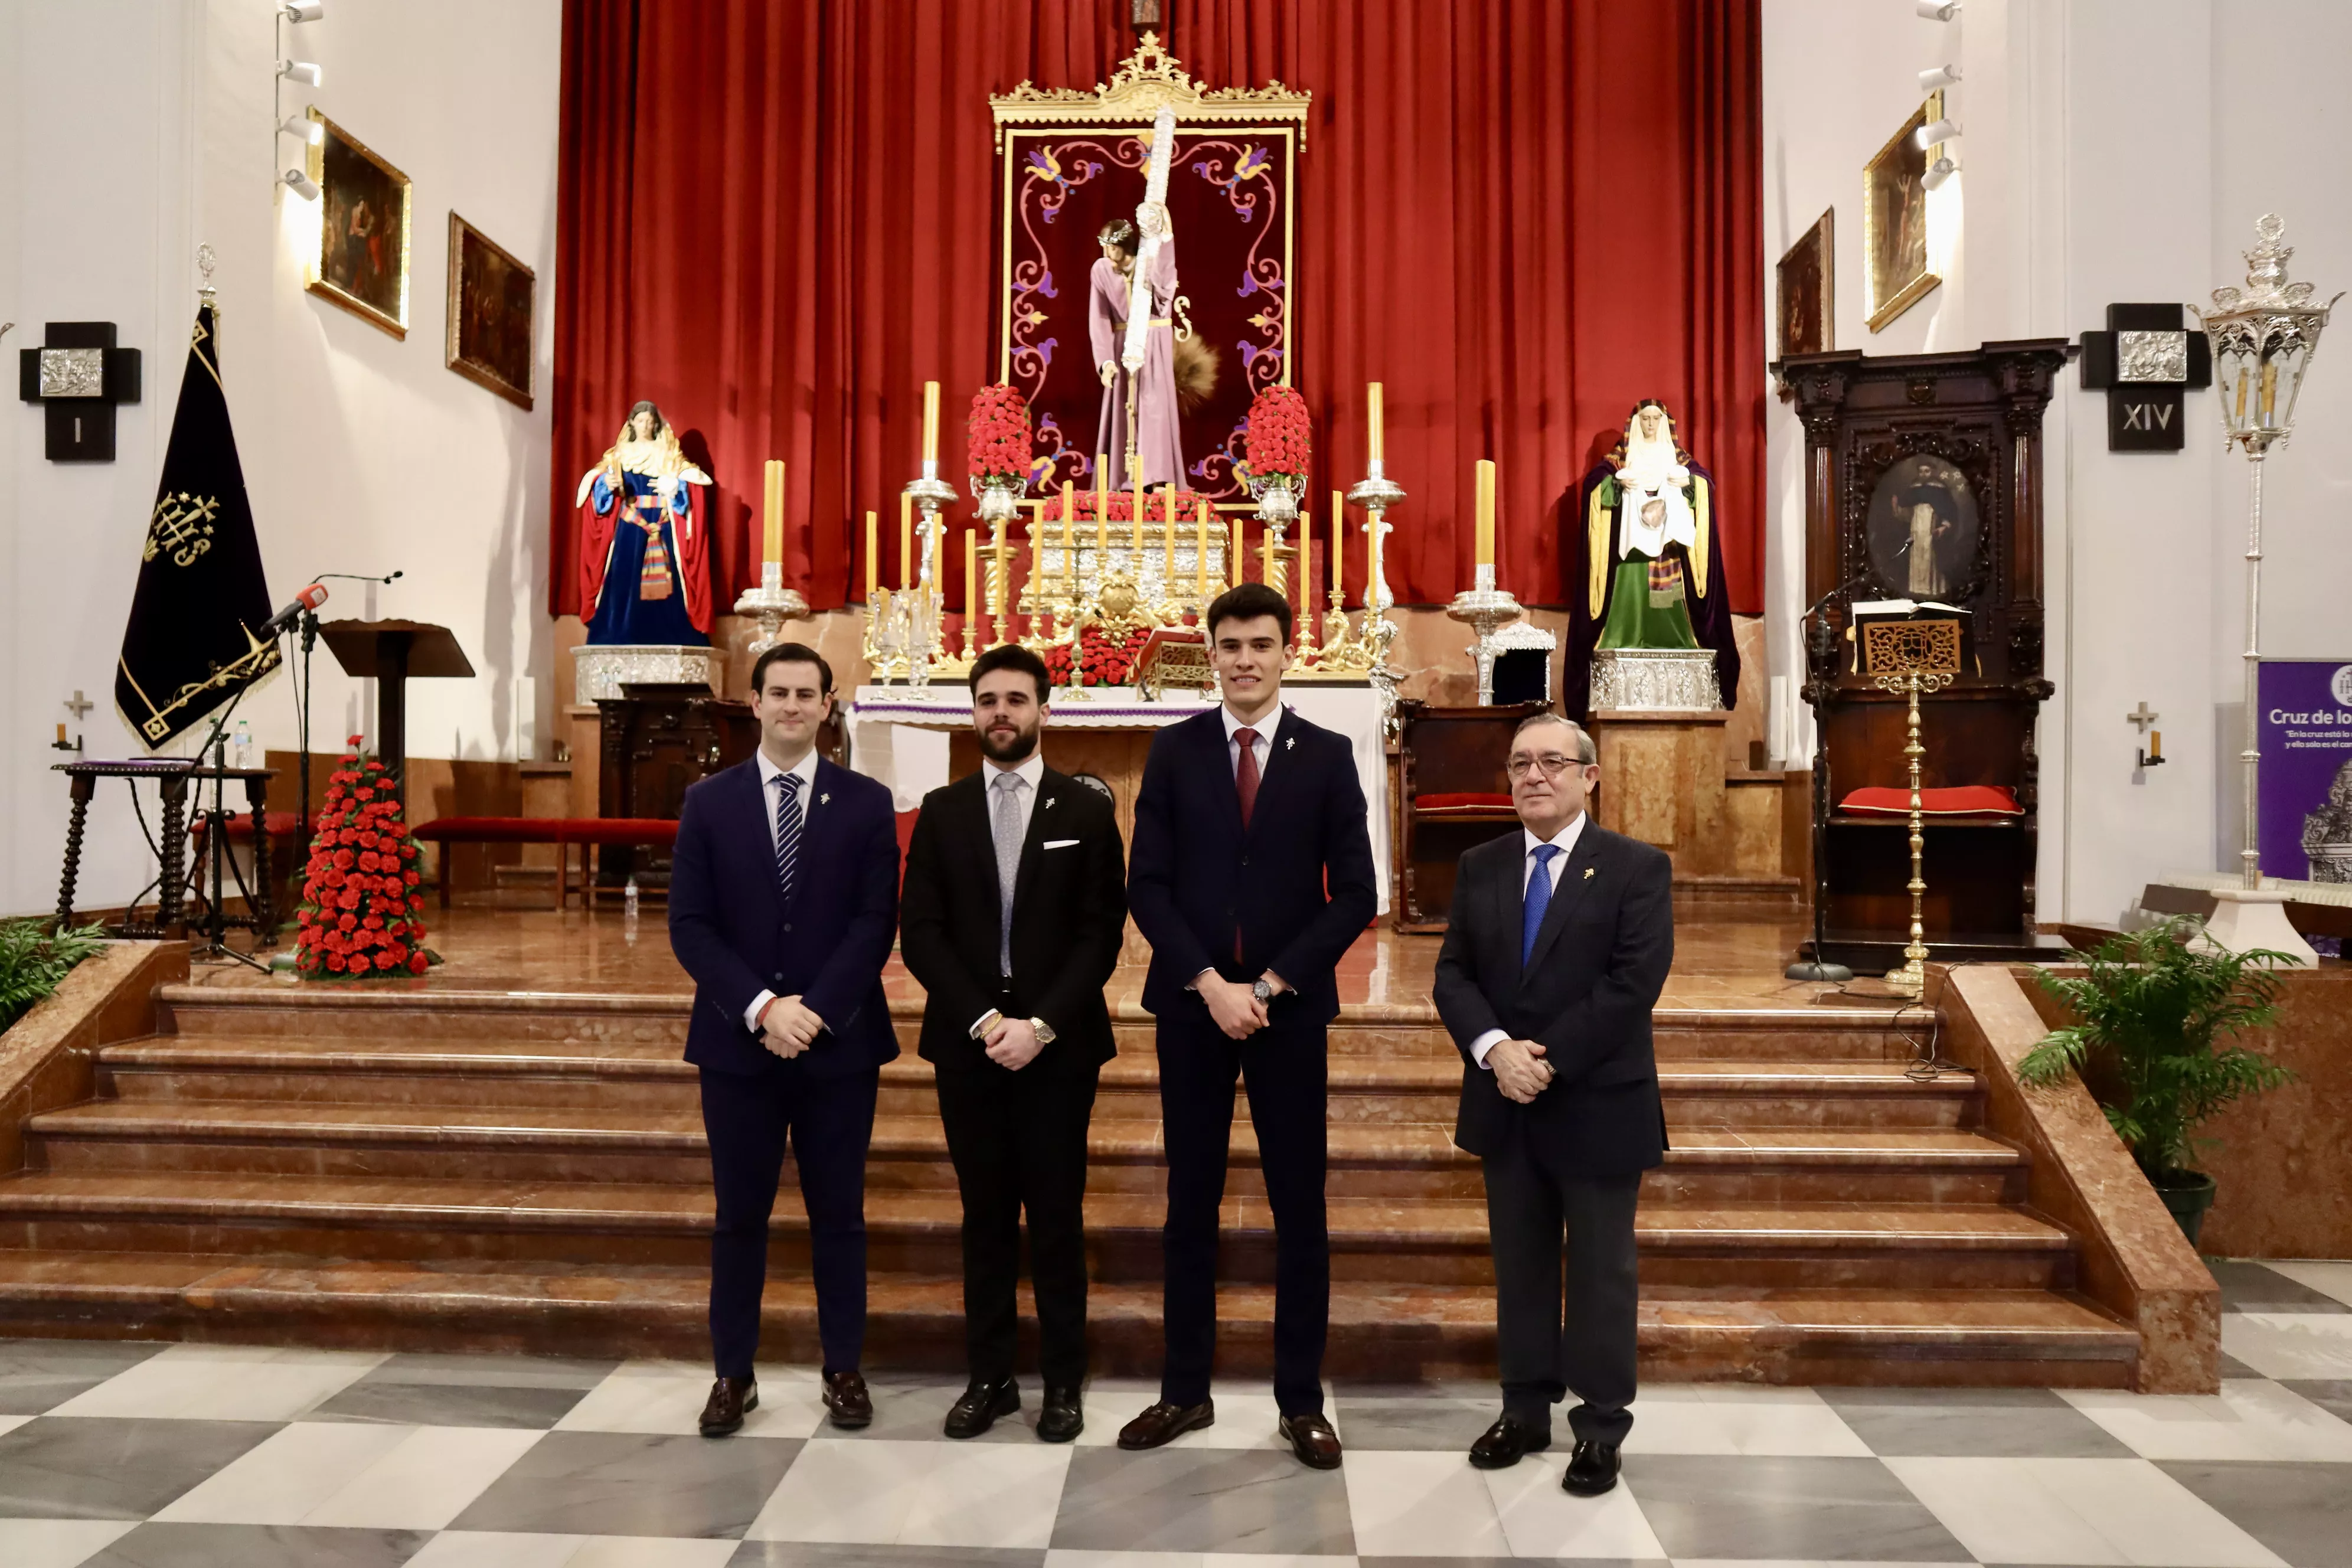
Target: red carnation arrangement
1121, 508
360, 896
1101, 662
1280, 443
999, 433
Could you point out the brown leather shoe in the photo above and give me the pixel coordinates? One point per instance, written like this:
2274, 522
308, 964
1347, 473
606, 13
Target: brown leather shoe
1163, 1422
1311, 1438
731, 1398
846, 1403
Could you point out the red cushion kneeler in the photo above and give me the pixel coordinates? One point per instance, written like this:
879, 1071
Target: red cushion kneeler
655, 830
1466, 803
1958, 800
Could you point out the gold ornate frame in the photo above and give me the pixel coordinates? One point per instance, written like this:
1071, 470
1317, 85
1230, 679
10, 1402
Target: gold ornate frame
1885, 299
474, 371
314, 279
1823, 237
1142, 83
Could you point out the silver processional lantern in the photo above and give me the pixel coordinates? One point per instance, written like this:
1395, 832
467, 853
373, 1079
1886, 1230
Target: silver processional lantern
2263, 338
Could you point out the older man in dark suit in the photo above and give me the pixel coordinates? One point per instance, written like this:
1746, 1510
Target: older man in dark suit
783, 898
1559, 944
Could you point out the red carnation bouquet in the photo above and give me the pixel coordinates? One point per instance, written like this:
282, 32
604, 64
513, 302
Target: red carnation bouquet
360, 896
999, 431
1101, 661
1280, 445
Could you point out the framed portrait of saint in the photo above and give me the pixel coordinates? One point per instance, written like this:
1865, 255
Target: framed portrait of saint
1807, 293
361, 262
1894, 220
492, 300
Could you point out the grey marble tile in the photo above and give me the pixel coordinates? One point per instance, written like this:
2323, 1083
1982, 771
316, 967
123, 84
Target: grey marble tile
912, 1409
2249, 1287
260, 1546
38, 1376
1812, 1510
1448, 1388
1971, 1423
94, 1468
448, 1405
493, 1371
2331, 1395
1202, 1499
622, 1483
1421, 1423
1509, 1561
809, 1554
2232, 1367
2303, 1511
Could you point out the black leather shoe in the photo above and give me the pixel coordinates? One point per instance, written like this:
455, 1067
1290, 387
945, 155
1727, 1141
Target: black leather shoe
846, 1403
1311, 1438
1161, 1422
1500, 1446
982, 1403
1060, 1418
731, 1398
1592, 1468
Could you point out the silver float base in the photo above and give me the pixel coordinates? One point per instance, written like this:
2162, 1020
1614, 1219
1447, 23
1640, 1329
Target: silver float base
599, 671
1655, 678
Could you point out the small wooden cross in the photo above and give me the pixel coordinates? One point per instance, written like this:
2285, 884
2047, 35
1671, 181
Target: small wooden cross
80, 706
2143, 716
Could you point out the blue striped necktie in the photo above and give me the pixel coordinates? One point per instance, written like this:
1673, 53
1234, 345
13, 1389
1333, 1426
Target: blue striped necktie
1538, 900
788, 831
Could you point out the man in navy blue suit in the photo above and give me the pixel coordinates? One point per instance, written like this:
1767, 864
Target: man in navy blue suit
1250, 876
784, 898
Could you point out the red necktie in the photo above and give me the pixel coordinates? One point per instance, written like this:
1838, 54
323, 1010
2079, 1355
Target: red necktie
1245, 786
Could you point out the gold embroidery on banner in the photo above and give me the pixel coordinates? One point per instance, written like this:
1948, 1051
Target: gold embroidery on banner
183, 526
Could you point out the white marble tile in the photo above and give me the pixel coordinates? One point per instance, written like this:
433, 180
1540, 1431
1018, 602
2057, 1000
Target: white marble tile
425, 1480
495, 1549
2249, 1420
1703, 1418
10, 1423
59, 1542
1541, 1520
667, 1396
2327, 1279
1421, 1505
1061, 1558
2291, 1344
1246, 1414
649, 1552
224, 1382
886, 1492
286, 1476
2123, 1511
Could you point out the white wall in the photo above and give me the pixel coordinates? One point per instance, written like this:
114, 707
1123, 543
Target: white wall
2112, 150
361, 453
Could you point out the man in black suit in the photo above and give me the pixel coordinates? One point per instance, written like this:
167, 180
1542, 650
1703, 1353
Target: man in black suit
1557, 948
783, 895
1253, 873
1012, 916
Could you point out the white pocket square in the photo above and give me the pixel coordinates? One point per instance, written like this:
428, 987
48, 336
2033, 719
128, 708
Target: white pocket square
1059, 843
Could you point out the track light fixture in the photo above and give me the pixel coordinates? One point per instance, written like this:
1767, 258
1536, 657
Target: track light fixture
1937, 10
1939, 170
302, 71
301, 184
1927, 136
1935, 77
304, 127
303, 10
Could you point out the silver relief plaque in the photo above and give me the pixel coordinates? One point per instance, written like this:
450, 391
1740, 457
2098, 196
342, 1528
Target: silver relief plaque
73, 373
2152, 356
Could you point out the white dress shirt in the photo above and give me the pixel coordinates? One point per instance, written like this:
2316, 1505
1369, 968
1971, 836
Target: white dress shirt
804, 771
1032, 775
1263, 730
1565, 839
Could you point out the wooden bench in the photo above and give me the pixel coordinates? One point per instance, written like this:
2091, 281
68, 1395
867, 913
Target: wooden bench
563, 832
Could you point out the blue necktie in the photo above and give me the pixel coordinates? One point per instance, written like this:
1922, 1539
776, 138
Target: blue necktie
1538, 900
788, 831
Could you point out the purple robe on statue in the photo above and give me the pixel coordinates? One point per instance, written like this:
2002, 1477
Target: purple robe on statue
1156, 440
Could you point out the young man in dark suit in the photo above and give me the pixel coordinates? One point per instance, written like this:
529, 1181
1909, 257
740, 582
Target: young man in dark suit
1012, 916
783, 898
1252, 874
1557, 948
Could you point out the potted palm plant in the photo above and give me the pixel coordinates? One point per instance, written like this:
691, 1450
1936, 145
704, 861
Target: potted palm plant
2160, 1017
34, 961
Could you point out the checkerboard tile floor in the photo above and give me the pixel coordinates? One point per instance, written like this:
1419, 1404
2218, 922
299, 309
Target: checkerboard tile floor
188, 1454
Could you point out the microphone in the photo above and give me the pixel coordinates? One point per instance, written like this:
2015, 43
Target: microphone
310, 598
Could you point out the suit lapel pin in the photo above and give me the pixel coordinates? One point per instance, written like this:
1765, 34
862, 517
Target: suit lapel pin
1049, 802
826, 799
1587, 873
1291, 743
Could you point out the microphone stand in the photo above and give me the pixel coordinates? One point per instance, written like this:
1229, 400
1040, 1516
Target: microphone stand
1821, 674
310, 626
215, 820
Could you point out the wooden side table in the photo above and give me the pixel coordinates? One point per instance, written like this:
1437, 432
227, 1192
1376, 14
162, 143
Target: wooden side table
172, 776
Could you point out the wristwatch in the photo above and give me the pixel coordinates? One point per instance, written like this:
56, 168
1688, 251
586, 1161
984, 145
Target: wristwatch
1263, 991
1045, 1031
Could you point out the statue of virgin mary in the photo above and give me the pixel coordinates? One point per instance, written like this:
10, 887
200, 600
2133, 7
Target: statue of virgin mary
645, 550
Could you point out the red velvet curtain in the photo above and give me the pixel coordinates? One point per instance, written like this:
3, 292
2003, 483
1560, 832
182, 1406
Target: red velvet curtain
1521, 215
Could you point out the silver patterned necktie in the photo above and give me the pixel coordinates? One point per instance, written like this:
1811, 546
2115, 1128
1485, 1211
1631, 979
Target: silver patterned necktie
1005, 825
788, 831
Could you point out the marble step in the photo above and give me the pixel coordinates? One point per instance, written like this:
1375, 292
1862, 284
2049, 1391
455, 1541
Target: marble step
1383, 1331
1849, 1244
1390, 1160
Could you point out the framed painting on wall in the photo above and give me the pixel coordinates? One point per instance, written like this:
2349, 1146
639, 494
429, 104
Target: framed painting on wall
361, 262
1808, 292
492, 302
1894, 220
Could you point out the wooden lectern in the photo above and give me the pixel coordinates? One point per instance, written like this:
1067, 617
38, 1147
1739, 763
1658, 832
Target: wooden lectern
393, 652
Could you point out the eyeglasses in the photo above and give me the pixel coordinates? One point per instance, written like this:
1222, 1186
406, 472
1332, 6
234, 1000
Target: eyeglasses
1552, 763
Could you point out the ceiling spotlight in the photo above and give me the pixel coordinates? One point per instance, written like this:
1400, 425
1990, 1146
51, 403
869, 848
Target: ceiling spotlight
1927, 136
311, 10
1929, 10
310, 130
1930, 80
1939, 170
301, 184
307, 74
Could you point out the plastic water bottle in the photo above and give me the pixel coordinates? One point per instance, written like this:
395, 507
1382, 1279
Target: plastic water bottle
241, 749
629, 909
